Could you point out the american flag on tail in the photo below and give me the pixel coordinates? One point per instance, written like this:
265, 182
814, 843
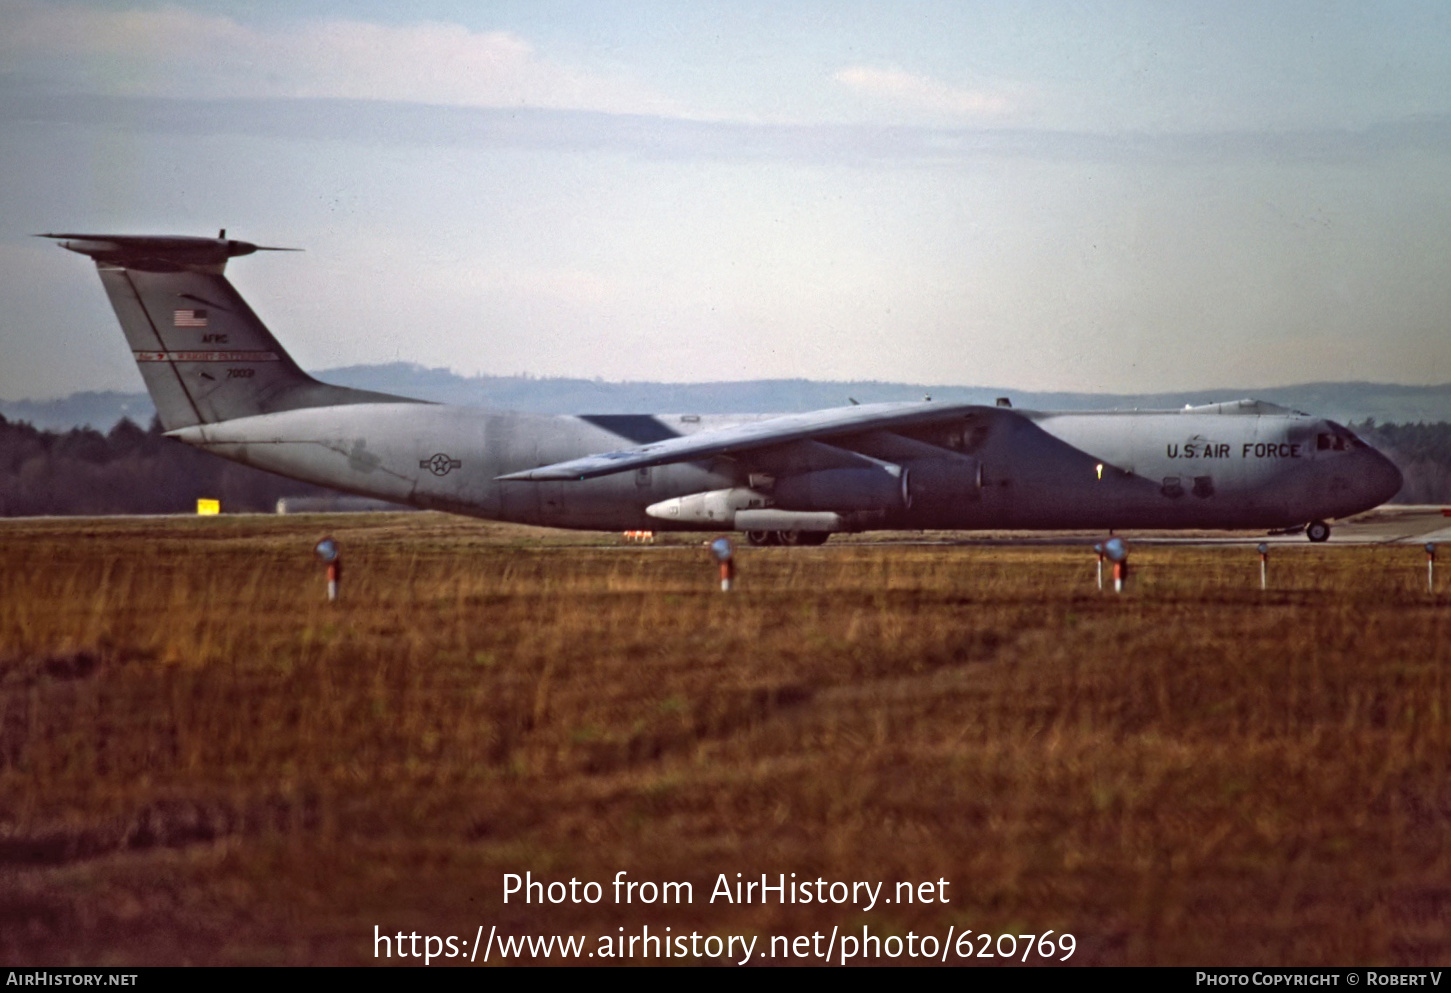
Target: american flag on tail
189, 318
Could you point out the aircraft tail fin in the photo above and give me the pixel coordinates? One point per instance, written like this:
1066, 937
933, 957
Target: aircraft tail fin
204, 355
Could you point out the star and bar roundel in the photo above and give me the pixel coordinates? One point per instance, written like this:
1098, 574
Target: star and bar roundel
440, 464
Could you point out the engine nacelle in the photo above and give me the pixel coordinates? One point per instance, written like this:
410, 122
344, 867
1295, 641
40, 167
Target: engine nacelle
844, 490
713, 507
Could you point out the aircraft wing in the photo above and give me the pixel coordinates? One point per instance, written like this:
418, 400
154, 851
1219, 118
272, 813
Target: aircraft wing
816, 424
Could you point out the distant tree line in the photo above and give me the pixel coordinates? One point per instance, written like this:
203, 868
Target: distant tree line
130, 470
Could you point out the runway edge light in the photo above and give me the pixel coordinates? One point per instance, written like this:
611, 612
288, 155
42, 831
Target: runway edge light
330, 555
722, 552
1117, 551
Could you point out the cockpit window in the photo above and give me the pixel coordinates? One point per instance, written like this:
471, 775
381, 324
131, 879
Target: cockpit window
1337, 439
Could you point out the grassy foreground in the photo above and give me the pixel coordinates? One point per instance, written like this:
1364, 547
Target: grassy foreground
203, 761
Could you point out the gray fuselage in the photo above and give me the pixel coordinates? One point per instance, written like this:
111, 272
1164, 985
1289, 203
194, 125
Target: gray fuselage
1244, 465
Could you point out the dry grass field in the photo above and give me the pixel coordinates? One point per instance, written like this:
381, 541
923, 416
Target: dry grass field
202, 761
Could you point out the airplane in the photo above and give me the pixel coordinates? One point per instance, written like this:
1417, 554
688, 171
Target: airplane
221, 382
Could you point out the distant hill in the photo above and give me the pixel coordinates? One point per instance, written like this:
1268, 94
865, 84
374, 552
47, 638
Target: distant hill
1340, 401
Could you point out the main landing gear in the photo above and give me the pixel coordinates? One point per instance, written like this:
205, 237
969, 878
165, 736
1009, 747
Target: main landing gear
787, 537
1317, 531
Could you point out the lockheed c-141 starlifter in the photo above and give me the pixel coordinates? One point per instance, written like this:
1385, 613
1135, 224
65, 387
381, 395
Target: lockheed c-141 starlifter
221, 382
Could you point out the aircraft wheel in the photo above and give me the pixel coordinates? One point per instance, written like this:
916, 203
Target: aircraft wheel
802, 537
1317, 531
761, 537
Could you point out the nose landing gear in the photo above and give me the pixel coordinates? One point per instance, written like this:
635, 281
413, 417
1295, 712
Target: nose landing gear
1317, 531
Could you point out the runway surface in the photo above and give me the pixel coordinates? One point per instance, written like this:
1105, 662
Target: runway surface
1387, 525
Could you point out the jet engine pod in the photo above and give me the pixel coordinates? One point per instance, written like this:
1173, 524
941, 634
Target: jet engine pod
843, 490
714, 507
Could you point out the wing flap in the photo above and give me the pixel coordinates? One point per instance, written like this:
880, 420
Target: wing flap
787, 428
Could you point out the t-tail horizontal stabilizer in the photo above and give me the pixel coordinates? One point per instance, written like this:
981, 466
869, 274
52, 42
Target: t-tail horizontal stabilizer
160, 253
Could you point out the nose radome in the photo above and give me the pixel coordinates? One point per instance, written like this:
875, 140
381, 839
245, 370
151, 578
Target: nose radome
1382, 479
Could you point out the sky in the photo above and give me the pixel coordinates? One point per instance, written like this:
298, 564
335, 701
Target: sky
1119, 196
